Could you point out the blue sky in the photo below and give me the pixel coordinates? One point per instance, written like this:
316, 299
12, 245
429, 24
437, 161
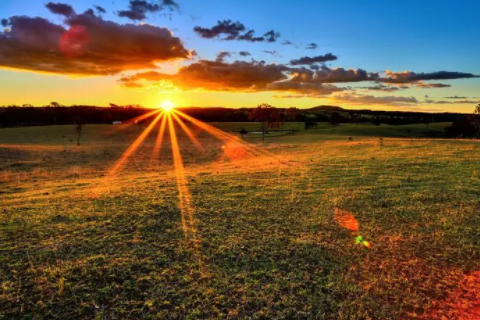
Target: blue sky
419, 36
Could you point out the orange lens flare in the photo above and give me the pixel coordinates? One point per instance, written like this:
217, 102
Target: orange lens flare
346, 220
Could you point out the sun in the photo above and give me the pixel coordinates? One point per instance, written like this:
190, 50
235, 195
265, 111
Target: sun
167, 105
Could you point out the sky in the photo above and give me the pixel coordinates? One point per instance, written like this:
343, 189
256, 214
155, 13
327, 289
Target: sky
381, 55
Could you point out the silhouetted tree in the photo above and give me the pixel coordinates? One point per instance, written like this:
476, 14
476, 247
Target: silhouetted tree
78, 128
243, 132
55, 104
310, 123
464, 127
269, 117
334, 119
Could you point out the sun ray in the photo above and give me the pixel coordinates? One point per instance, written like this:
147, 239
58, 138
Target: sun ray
159, 141
188, 132
184, 196
142, 117
226, 137
134, 146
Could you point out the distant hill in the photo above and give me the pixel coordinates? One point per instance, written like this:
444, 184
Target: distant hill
327, 108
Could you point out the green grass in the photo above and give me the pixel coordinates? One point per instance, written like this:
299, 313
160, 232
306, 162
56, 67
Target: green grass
74, 244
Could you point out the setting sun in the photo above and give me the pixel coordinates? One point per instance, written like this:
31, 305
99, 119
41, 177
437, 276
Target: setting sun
167, 105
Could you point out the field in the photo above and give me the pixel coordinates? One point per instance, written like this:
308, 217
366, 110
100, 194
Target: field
270, 229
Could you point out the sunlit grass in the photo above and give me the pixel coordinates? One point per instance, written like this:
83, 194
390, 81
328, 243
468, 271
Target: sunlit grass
256, 237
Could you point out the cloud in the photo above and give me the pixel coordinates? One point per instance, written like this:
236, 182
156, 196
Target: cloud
313, 60
100, 10
360, 99
226, 27
244, 53
331, 75
311, 46
91, 46
222, 55
288, 96
384, 88
287, 43
312, 90
472, 102
250, 36
138, 9
272, 52
455, 97
220, 76
232, 31
424, 85
271, 36
4, 23
60, 8
410, 77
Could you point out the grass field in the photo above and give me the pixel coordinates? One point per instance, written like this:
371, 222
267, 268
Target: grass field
262, 240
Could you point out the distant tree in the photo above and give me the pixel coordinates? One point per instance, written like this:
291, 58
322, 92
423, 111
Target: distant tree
334, 119
464, 127
78, 128
269, 117
243, 132
55, 104
376, 121
477, 110
310, 123
353, 117
291, 115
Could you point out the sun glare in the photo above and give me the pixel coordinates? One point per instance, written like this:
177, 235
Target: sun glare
167, 105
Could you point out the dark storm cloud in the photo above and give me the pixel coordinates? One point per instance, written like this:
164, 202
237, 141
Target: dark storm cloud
4, 22
234, 31
312, 46
100, 10
244, 53
222, 55
271, 36
409, 77
313, 60
226, 27
60, 8
110, 48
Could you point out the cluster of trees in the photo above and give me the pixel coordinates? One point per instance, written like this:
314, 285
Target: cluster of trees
465, 127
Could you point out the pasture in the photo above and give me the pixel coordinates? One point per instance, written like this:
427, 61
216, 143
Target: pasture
261, 239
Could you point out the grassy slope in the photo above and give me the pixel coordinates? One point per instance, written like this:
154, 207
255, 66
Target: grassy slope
268, 246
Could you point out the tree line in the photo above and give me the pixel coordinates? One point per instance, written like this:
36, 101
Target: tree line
56, 114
